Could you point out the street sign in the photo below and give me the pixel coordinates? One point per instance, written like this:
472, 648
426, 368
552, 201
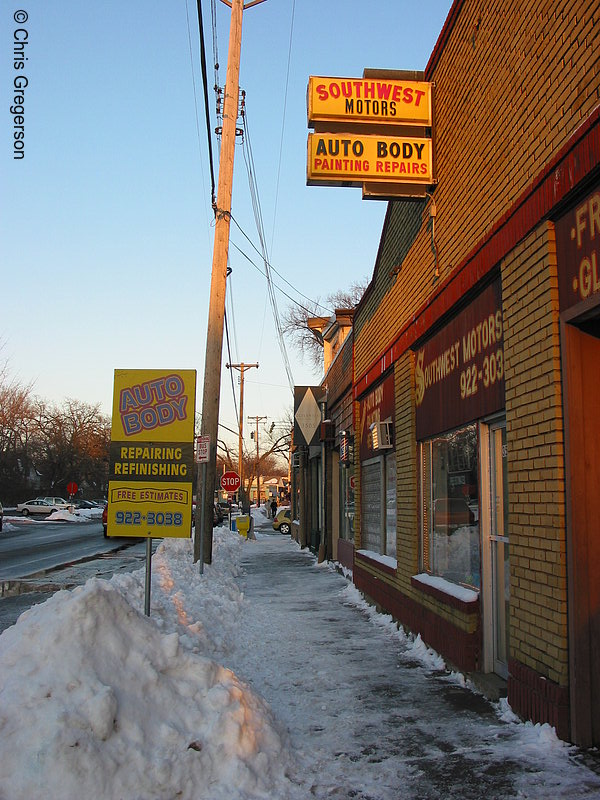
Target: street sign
72, 488
230, 481
202, 449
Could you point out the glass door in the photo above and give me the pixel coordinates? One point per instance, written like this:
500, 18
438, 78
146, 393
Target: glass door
499, 548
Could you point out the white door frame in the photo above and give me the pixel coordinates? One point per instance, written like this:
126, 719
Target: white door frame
487, 561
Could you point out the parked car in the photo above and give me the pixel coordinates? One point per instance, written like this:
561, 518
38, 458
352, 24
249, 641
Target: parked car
1, 516
283, 520
450, 513
218, 515
84, 504
41, 505
59, 502
105, 520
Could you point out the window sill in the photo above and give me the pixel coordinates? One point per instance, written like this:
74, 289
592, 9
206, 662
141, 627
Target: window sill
451, 594
385, 563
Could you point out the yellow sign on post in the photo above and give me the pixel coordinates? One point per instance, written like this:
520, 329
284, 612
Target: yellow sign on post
152, 454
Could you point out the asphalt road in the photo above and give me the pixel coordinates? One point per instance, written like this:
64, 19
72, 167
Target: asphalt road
38, 558
28, 546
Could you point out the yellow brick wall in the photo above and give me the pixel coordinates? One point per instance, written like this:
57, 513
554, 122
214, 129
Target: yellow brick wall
513, 83
406, 473
534, 429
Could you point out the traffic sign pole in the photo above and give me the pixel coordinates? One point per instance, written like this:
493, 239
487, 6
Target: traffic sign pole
199, 533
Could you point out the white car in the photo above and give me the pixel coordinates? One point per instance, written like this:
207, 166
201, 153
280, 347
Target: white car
59, 502
42, 505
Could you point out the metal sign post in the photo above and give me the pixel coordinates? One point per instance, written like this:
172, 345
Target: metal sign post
148, 576
202, 512
202, 457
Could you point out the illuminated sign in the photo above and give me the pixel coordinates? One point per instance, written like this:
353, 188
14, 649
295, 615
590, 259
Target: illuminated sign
351, 160
373, 100
152, 453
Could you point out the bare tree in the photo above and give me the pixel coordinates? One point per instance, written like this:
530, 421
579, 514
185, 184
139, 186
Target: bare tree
269, 461
294, 321
73, 443
17, 417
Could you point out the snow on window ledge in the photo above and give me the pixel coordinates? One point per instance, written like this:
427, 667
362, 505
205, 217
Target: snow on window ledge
386, 561
440, 587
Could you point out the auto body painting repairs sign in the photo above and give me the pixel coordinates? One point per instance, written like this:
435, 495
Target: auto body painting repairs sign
459, 372
346, 159
376, 100
152, 453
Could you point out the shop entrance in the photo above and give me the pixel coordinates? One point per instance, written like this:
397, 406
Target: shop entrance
581, 368
495, 548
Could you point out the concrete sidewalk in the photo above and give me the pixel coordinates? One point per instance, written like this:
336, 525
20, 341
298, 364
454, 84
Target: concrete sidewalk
366, 718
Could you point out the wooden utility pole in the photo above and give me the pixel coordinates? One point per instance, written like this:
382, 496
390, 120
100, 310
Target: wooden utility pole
258, 419
216, 309
242, 368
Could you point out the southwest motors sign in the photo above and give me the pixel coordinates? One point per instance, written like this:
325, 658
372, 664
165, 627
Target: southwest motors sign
380, 101
459, 372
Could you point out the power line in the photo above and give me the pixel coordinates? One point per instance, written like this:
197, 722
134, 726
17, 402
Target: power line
287, 81
260, 228
309, 311
272, 268
206, 108
231, 373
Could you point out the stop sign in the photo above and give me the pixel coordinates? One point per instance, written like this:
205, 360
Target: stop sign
72, 487
230, 481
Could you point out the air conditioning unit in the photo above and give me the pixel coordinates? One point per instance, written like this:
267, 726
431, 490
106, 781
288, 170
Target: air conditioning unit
381, 435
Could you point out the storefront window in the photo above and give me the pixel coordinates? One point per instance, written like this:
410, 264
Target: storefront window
371, 510
378, 521
449, 492
390, 504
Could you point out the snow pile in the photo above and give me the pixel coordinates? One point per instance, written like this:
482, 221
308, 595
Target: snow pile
114, 708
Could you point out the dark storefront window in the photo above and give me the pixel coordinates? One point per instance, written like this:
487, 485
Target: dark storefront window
379, 505
390, 504
371, 507
449, 506
346, 502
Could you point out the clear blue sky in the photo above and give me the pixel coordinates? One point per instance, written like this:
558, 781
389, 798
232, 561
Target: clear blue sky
106, 225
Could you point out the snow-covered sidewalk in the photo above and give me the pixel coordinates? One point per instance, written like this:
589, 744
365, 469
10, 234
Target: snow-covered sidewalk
266, 677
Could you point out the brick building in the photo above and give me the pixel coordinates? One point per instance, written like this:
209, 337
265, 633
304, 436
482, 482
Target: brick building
477, 368
323, 498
